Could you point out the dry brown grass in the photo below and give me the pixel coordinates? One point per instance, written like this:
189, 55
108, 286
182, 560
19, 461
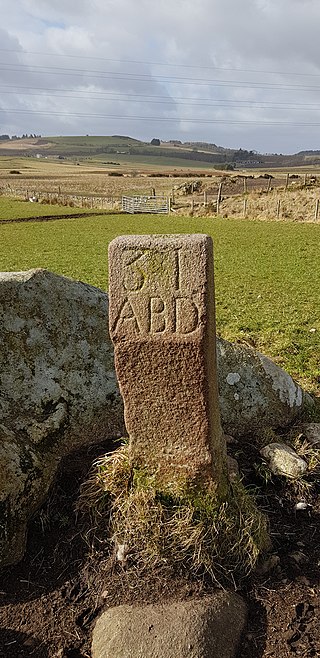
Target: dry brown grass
295, 205
90, 179
150, 525
52, 177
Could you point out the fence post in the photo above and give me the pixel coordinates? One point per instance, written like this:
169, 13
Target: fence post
245, 185
244, 207
219, 197
278, 208
269, 184
287, 181
316, 210
192, 205
305, 180
205, 198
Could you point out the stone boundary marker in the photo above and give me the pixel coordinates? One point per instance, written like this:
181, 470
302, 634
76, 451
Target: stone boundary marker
162, 323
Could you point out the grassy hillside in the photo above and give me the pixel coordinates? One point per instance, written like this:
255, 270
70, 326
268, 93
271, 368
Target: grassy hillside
126, 148
267, 274
91, 145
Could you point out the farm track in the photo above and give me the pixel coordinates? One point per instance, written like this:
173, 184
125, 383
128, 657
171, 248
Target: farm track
48, 218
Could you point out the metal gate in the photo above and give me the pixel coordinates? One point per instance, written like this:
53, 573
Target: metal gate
152, 204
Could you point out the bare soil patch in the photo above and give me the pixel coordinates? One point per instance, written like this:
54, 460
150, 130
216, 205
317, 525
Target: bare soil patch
47, 218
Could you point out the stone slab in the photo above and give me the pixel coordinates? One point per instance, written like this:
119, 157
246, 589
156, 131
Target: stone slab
162, 323
201, 628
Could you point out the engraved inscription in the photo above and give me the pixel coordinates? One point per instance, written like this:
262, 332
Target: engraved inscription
154, 315
157, 315
134, 275
177, 269
154, 303
187, 316
126, 317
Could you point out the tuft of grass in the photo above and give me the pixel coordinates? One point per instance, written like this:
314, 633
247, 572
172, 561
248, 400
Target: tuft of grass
308, 452
180, 525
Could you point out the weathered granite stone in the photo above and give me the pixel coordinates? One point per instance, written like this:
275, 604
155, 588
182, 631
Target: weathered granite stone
162, 323
312, 433
254, 393
201, 628
283, 460
58, 389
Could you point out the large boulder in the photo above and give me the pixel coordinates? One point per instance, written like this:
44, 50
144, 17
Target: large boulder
254, 392
58, 390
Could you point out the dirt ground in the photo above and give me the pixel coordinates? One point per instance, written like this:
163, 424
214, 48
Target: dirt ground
49, 602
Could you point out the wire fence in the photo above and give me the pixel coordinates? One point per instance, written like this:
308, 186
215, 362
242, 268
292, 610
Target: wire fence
290, 197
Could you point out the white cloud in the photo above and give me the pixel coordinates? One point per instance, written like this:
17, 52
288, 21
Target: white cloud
89, 54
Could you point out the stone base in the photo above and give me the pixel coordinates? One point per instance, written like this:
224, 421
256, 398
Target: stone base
210, 627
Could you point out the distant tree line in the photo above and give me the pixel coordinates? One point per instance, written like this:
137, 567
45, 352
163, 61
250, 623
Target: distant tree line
4, 138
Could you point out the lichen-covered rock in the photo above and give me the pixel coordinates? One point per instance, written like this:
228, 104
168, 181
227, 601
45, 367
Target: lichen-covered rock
283, 460
312, 433
254, 392
58, 390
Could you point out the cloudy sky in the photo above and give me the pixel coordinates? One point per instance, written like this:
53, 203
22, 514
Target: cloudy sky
239, 73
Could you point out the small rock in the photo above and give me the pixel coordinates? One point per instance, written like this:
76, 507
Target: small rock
301, 505
298, 557
312, 433
303, 580
233, 468
30, 642
230, 439
268, 564
283, 460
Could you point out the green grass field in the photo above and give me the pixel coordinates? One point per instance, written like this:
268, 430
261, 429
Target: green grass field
151, 160
12, 209
267, 274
